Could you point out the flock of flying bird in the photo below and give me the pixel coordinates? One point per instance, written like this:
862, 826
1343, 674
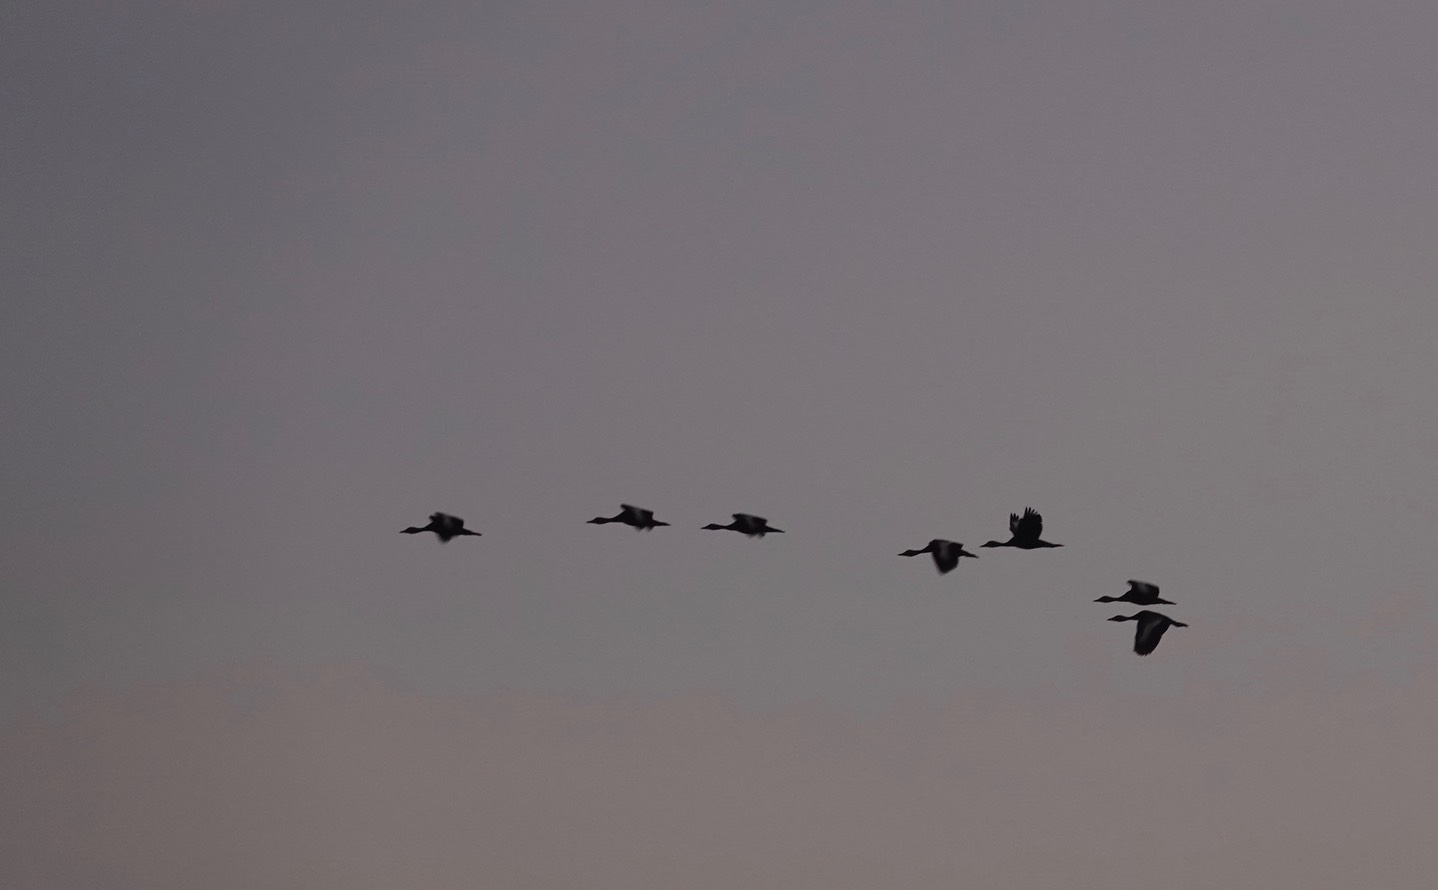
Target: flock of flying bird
1024, 533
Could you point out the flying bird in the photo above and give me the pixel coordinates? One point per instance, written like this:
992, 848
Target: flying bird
1151, 626
1140, 593
946, 554
444, 526
747, 524
1024, 531
642, 520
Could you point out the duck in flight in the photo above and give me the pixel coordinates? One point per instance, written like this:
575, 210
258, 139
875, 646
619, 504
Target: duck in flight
642, 520
1024, 531
1151, 626
444, 526
946, 554
1140, 593
747, 524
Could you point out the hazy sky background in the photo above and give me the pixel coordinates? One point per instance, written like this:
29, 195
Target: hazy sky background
283, 278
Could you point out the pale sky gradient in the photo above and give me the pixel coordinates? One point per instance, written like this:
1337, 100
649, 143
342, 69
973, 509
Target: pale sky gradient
282, 278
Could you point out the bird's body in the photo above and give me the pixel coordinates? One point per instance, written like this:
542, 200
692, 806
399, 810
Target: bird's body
1024, 532
946, 554
642, 520
444, 527
1140, 593
1151, 627
747, 524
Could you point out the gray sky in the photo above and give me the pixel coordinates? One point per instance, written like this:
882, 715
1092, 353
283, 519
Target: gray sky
283, 278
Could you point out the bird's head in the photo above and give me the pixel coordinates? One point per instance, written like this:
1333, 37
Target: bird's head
1122, 618
714, 526
1107, 599
992, 544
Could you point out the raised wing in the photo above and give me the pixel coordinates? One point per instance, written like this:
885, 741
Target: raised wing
1143, 588
1027, 527
637, 513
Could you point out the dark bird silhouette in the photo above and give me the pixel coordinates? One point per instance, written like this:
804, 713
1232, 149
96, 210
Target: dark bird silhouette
444, 526
1151, 626
1025, 531
946, 554
1140, 593
642, 520
748, 524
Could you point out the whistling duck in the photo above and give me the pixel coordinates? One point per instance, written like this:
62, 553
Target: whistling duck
1140, 593
642, 520
444, 526
747, 524
1025, 531
1151, 626
946, 554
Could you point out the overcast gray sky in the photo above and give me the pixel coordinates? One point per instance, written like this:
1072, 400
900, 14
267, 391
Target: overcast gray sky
281, 279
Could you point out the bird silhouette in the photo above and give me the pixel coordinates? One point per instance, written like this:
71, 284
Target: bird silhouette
443, 525
1151, 626
1024, 531
946, 554
630, 515
1140, 593
747, 524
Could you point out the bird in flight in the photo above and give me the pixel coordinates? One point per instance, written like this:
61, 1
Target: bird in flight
747, 524
642, 520
946, 554
1024, 531
444, 527
1140, 593
1151, 626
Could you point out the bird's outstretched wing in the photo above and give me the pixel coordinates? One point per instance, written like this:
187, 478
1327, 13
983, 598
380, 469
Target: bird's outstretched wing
1150, 631
946, 558
1143, 587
